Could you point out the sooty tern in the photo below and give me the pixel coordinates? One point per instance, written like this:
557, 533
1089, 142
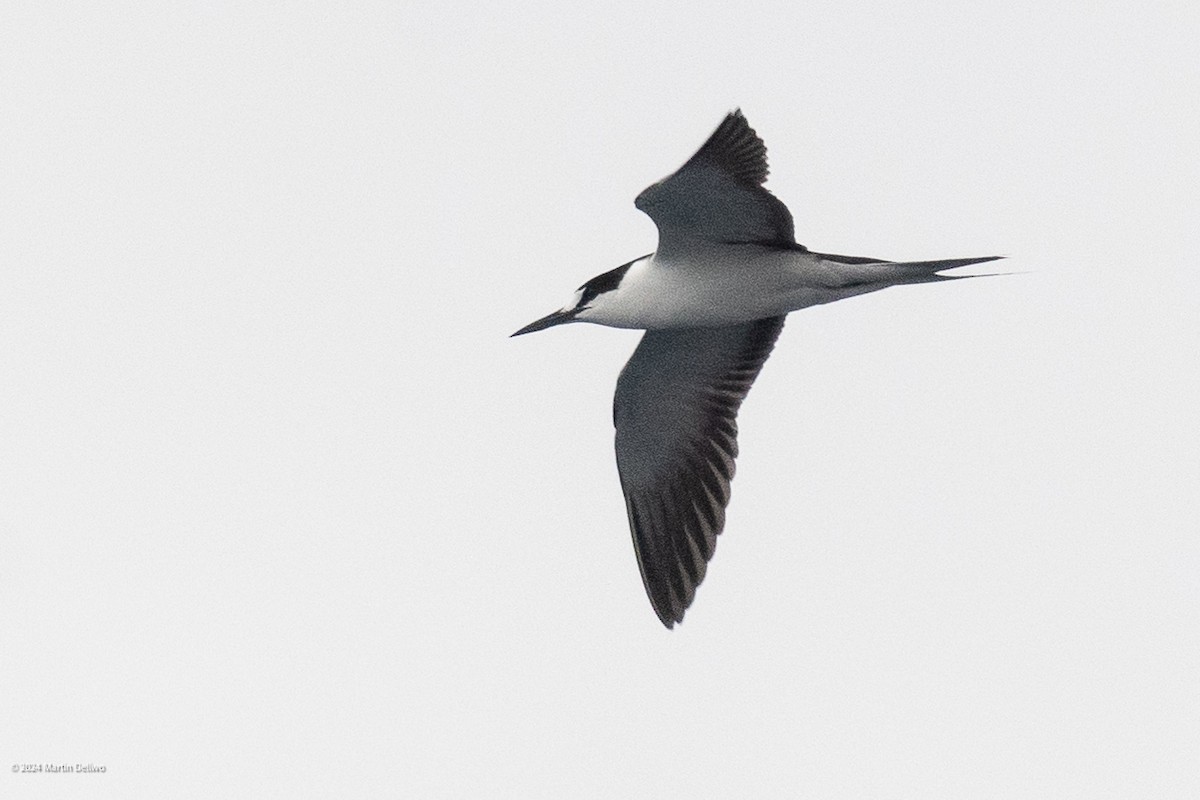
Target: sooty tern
712, 299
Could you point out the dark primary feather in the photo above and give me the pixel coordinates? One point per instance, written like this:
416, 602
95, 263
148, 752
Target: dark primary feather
676, 439
736, 149
717, 196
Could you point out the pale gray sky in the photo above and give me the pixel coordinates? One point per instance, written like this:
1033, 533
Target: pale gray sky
284, 512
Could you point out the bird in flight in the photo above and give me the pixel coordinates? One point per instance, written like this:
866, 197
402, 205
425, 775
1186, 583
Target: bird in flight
712, 299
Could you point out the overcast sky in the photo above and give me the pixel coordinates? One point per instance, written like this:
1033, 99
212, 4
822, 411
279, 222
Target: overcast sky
284, 512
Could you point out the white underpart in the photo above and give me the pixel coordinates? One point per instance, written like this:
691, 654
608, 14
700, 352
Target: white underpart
723, 285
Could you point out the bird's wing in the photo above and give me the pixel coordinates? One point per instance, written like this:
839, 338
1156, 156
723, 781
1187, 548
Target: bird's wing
675, 414
718, 196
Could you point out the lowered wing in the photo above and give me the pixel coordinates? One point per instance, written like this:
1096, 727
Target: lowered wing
675, 413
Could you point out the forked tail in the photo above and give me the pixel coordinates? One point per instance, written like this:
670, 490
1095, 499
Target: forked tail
927, 271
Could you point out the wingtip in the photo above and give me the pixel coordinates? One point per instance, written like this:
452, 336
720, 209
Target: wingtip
668, 613
668, 618
736, 147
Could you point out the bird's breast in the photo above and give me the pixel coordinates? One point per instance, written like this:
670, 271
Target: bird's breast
726, 287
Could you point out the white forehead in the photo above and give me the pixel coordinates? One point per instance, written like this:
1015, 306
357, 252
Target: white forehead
574, 301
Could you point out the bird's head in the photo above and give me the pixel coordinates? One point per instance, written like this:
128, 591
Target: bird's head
567, 313
584, 302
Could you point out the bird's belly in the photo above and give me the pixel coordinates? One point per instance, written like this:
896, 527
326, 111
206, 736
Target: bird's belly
674, 297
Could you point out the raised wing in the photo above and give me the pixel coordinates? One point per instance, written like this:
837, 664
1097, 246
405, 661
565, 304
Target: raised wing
675, 413
717, 196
